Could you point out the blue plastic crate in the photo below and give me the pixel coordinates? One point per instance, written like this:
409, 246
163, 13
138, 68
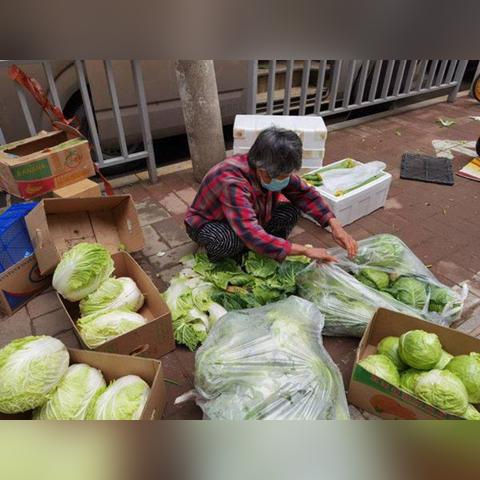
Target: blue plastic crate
15, 243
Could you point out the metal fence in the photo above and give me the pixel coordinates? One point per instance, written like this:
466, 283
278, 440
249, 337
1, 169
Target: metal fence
327, 87
147, 152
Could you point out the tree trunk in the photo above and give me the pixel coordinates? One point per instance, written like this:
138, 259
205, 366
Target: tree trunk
197, 86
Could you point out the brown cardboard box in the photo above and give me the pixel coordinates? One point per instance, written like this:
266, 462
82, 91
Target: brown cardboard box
371, 393
115, 366
57, 224
19, 284
83, 188
153, 339
40, 164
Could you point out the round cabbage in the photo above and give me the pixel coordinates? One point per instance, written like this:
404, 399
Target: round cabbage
444, 360
410, 291
389, 347
75, 394
408, 379
113, 293
30, 369
383, 367
444, 390
467, 369
124, 399
101, 327
81, 270
373, 278
420, 349
471, 413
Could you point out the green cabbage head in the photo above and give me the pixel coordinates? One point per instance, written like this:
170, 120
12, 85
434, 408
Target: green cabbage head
471, 413
408, 379
467, 369
410, 291
420, 349
82, 270
124, 399
444, 390
30, 369
389, 347
444, 360
383, 367
113, 293
75, 394
373, 278
99, 328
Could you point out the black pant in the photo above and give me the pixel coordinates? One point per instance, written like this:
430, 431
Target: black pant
220, 241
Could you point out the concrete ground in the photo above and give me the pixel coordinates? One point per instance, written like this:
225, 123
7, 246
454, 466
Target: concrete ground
441, 224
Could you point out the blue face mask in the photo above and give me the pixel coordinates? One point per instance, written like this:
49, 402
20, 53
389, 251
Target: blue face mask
276, 185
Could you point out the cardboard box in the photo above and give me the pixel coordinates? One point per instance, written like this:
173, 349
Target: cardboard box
40, 164
115, 366
373, 394
83, 188
19, 284
153, 339
57, 224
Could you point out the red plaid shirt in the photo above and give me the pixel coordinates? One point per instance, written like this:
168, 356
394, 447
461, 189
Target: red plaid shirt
232, 192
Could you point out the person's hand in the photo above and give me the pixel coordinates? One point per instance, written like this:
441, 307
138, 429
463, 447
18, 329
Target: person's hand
343, 239
319, 254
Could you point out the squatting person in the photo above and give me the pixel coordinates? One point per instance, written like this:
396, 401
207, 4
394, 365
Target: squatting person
239, 204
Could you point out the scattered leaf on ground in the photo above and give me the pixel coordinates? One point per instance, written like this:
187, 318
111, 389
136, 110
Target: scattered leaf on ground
445, 122
398, 133
429, 266
476, 118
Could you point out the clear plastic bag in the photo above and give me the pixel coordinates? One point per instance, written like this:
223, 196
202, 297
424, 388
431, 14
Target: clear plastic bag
347, 304
385, 264
269, 363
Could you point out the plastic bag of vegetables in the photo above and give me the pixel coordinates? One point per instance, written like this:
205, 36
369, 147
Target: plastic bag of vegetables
384, 263
269, 363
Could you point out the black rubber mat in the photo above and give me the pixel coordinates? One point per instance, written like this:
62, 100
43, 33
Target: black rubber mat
427, 169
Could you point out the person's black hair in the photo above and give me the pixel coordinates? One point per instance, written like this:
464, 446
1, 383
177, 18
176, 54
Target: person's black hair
276, 150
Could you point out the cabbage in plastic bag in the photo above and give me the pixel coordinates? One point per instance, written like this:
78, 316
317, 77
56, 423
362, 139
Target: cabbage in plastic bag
269, 363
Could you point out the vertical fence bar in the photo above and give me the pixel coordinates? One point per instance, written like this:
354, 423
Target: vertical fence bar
348, 86
144, 119
320, 81
410, 74
337, 68
47, 68
388, 78
423, 68
462, 65
362, 81
272, 67
288, 87
431, 74
376, 76
82, 80
451, 71
305, 81
398, 80
2, 138
252, 85
25, 109
116, 107
441, 73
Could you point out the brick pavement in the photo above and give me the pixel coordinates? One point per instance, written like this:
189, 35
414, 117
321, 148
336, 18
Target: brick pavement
441, 225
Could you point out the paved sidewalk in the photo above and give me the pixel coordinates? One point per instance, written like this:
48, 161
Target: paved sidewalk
441, 224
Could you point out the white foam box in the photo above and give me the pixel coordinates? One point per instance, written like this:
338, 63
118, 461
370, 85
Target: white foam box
360, 201
311, 130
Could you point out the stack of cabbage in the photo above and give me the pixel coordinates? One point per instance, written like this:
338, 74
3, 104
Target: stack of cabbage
385, 273
203, 291
417, 363
34, 375
107, 304
269, 363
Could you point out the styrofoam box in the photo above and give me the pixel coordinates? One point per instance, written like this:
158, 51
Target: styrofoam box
359, 202
310, 158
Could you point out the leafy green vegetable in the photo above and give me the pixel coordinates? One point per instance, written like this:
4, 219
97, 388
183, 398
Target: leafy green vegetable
388, 346
444, 360
383, 367
444, 390
471, 413
382, 251
420, 349
373, 278
440, 297
410, 291
408, 379
30, 370
81, 270
75, 395
260, 266
467, 369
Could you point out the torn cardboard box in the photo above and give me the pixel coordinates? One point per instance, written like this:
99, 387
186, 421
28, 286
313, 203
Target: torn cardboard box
153, 339
40, 164
57, 224
83, 188
371, 393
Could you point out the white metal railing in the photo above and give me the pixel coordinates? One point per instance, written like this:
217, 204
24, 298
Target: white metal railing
147, 152
334, 86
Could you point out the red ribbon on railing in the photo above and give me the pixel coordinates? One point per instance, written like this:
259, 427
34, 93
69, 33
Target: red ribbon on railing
54, 113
